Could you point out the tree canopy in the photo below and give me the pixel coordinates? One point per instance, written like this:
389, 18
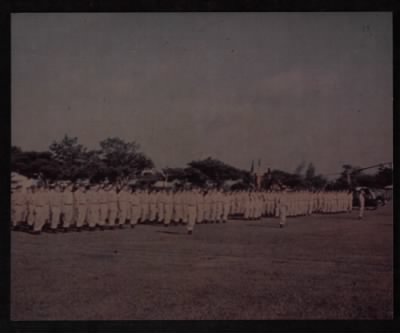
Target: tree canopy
116, 159
68, 159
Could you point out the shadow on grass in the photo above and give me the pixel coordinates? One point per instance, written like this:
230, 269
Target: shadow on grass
171, 232
264, 225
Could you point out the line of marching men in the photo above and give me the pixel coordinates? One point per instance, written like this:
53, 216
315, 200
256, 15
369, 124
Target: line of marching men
82, 206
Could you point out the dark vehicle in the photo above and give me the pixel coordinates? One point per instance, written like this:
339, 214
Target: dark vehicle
373, 198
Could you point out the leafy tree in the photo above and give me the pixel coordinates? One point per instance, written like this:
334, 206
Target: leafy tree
70, 155
123, 158
67, 150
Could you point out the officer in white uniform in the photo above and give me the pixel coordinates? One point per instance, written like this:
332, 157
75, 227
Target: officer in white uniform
112, 200
19, 205
30, 219
226, 205
200, 206
160, 202
123, 205
135, 207
190, 201
94, 210
144, 205
81, 205
283, 206
168, 203
207, 207
56, 203
42, 209
152, 205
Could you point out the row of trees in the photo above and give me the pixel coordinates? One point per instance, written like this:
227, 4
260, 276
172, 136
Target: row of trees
116, 159
68, 159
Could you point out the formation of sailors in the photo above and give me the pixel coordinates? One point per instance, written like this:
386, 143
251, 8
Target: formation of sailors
68, 206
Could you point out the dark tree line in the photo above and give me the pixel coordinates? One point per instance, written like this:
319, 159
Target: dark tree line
67, 159
115, 159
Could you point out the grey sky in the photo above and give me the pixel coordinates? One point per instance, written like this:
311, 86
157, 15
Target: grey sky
283, 87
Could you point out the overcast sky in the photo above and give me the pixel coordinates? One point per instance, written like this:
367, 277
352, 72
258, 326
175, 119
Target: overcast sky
282, 87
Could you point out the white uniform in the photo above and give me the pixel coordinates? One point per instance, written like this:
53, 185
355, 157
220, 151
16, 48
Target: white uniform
68, 208
144, 206
19, 206
190, 209
226, 205
123, 206
103, 199
200, 207
93, 208
112, 201
219, 206
135, 208
81, 205
30, 207
42, 209
283, 205
178, 212
152, 206
160, 201
168, 200
56, 203
207, 207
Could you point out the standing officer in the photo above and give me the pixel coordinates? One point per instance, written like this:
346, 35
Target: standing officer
152, 205
81, 206
30, 205
112, 200
190, 201
123, 205
68, 206
226, 205
207, 207
93, 201
19, 205
42, 209
103, 202
144, 205
168, 202
135, 207
283, 206
56, 201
